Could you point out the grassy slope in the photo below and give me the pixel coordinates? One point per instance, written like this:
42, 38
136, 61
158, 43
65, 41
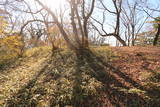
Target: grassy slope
114, 78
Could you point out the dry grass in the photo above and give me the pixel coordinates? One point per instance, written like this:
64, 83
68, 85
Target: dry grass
102, 77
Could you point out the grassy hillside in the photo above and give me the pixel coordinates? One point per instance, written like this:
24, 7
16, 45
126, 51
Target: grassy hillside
102, 77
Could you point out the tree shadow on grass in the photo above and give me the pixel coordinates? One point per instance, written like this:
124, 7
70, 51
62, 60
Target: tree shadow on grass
115, 92
24, 97
110, 77
12, 63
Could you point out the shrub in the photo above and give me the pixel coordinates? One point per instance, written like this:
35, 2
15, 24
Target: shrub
10, 49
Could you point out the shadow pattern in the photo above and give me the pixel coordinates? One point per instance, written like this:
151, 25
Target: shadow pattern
112, 79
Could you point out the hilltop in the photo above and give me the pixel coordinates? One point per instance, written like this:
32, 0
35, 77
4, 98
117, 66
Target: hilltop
104, 76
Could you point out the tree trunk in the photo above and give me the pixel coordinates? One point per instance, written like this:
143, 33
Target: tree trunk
120, 40
133, 42
133, 35
85, 38
156, 36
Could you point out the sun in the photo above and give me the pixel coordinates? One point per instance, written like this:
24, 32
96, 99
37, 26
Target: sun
55, 4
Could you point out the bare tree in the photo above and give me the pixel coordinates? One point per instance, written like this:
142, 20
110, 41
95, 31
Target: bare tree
115, 12
133, 20
79, 16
